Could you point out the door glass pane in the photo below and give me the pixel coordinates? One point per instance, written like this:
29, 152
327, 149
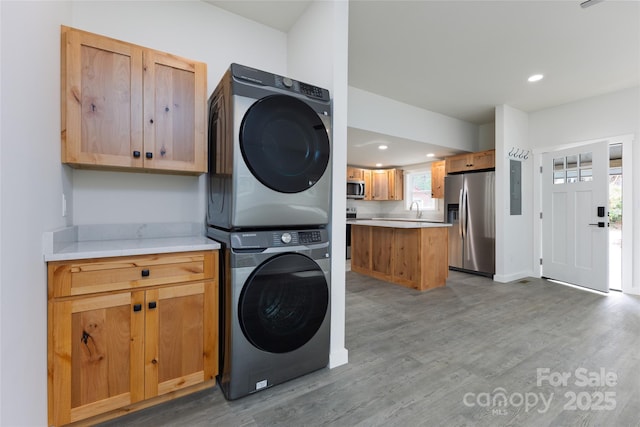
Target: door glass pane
585, 159
558, 164
572, 161
586, 175
558, 177
572, 176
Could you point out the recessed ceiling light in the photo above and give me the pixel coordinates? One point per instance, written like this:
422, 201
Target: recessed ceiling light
430, 155
535, 78
378, 165
382, 147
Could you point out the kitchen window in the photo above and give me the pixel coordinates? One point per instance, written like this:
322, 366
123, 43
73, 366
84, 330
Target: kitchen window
418, 189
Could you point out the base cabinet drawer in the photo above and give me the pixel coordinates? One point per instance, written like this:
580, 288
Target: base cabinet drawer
113, 350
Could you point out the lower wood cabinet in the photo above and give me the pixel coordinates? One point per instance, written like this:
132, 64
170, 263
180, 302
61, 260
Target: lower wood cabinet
146, 332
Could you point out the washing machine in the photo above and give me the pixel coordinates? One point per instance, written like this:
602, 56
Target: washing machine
274, 307
269, 152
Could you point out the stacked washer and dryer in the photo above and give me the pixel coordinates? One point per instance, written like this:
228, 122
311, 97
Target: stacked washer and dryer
269, 198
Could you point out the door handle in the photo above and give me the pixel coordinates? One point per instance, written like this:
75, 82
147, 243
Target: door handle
599, 224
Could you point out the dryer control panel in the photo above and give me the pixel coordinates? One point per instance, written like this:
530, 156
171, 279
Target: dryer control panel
263, 239
273, 80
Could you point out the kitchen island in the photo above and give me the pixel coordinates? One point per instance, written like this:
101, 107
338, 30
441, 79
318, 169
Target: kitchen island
414, 254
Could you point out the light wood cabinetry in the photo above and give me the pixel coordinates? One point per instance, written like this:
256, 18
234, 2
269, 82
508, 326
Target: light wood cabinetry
413, 257
367, 184
129, 107
437, 179
128, 332
471, 161
355, 173
379, 184
387, 184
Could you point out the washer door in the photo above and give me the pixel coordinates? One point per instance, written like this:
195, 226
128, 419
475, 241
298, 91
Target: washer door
283, 303
284, 143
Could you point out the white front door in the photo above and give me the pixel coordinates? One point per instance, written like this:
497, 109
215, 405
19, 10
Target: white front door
575, 215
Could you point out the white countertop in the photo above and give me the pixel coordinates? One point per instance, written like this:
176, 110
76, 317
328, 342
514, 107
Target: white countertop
111, 241
398, 223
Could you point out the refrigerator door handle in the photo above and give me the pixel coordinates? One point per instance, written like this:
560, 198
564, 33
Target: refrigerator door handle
462, 214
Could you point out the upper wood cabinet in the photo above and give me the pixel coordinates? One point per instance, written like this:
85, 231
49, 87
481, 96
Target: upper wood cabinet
355, 173
367, 184
471, 161
126, 106
437, 179
387, 184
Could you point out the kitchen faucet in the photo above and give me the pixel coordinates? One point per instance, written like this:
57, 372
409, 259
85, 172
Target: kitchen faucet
418, 211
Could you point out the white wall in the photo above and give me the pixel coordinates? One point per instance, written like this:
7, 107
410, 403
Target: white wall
376, 113
486, 136
323, 31
514, 233
611, 115
33, 180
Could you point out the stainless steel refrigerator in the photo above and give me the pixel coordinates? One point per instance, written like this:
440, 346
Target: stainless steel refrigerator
470, 207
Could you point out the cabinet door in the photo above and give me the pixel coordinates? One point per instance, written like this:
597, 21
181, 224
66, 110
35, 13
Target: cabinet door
379, 185
437, 180
181, 337
457, 163
174, 113
96, 342
396, 184
355, 173
368, 184
484, 160
101, 100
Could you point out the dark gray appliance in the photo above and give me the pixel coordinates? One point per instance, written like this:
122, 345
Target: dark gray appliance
470, 208
269, 152
274, 307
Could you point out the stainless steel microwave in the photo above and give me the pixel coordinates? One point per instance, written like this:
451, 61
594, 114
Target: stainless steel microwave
355, 189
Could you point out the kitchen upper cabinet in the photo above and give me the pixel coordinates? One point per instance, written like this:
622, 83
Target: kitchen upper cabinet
124, 331
129, 107
471, 161
355, 173
387, 184
367, 184
437, 179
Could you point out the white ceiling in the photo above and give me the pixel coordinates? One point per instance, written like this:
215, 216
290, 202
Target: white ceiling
462, 58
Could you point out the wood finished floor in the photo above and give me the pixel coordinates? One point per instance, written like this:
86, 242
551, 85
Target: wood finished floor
414, 357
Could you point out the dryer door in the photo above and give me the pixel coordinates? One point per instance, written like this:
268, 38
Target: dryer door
283, 303
284, 143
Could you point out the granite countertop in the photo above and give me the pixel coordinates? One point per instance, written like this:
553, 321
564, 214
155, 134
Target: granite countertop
112, 240
399, 223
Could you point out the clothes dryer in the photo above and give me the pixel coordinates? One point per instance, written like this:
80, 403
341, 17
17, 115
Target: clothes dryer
269, 152
274, 307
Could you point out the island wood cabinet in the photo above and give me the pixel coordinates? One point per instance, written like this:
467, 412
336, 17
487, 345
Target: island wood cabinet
413, 257
471, 161
129, 107
437, 179
387, 184
128, 332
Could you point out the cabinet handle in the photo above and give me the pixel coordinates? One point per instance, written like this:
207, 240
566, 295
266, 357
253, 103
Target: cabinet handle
152, 305
149, 155
151, 121
137, 307
136, 154
145, 272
